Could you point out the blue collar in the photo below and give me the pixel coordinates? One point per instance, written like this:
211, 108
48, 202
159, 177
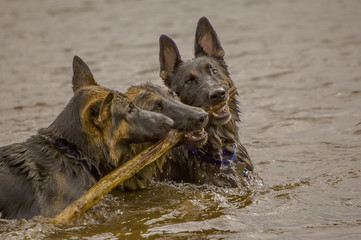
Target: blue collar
200, 153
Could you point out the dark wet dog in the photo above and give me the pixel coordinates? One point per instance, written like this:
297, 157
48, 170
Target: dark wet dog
186, 118
160, 99
205, 82
91, 136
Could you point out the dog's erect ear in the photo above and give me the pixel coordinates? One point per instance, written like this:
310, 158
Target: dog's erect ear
206, 40
82, 75
169, 58
104, 111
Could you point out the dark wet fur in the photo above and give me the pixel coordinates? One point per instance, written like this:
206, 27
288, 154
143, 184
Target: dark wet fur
90, 137
203, 81
160, 99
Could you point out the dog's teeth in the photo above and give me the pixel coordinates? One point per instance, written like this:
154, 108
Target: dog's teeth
214, 114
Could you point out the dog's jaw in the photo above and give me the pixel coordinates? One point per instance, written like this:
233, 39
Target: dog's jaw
219, 114
195, 138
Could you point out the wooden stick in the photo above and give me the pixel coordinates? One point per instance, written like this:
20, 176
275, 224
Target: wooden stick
232, 93
120, 174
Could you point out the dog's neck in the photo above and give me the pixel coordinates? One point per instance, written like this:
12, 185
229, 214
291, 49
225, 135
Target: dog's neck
221, 135
71, 151
68, 126
107, 158
71, 135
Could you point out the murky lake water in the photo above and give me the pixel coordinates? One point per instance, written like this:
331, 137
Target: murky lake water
297, 65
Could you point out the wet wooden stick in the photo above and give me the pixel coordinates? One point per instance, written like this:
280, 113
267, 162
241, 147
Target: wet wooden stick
122, 173
232, 93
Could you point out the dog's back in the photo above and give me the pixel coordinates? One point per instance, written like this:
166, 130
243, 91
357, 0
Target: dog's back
15, 185
31, 180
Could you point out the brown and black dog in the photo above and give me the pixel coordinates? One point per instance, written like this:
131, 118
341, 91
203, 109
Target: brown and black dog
186, 118
155, 98
205, 82
90, 137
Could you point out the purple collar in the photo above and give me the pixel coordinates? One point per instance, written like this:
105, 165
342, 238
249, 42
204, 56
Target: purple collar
210, 159
72, 151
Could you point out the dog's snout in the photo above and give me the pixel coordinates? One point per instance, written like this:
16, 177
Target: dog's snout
201, 119
194, 119
218, 95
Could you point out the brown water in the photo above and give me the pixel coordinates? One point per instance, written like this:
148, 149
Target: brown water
297, 65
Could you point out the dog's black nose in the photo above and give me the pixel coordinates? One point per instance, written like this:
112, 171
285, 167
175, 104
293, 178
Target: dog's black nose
217, 95
201, 119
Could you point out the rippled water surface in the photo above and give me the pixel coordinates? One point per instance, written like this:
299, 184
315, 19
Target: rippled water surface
297, 65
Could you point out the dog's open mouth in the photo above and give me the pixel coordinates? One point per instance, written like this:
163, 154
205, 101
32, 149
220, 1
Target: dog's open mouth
219, 111
194, 137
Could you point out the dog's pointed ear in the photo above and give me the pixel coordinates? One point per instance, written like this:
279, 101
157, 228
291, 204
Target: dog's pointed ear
169, 58
104, 111
206, 41
82, 75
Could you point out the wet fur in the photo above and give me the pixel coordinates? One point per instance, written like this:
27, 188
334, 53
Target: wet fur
93, 134
160, 99
194, 81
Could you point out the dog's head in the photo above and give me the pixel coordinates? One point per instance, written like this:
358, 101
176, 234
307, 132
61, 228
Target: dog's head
109, 118
202, 81
162, 100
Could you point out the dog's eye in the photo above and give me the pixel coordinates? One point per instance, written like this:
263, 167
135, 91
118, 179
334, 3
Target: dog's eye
158, 106
130, 108
214, 71
208, 65
190, 80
